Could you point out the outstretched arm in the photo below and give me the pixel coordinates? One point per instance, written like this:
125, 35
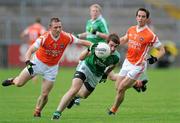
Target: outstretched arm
123, 40
82, 35
84, 42
81, 41
102, 35
84, 54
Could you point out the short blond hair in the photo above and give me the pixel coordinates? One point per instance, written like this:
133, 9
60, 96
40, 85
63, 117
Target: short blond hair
96, 6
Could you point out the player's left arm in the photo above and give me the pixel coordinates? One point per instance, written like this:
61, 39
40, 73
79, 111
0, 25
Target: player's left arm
84, 54
82, 35
160, 47
109, 69
161, 51
104, 33
84, 42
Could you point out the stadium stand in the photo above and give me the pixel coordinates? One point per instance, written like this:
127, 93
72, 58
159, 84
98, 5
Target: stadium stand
17, 14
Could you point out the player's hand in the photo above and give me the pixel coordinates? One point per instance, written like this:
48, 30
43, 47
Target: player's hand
77, 35
94, 31
152, 60
140, 86
29, 65
103, 79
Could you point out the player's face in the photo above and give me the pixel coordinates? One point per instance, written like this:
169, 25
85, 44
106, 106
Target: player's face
141, 18
112, 46
94, 13
56, 28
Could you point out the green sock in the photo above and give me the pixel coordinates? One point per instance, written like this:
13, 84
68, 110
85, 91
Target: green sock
57, 113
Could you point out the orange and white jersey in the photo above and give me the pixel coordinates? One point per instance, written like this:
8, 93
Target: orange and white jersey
139, 43
34, 31
50, 49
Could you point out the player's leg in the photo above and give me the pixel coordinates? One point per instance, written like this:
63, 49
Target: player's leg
20, 80
131, 73
84, 92
69, 95
89, 85
49, 75
119, 78
122, 86
43, 98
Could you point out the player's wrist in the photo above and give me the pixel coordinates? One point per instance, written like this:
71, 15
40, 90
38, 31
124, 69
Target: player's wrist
78, 36
97, 33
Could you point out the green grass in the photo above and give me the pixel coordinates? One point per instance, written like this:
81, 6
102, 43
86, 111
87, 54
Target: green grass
159, 104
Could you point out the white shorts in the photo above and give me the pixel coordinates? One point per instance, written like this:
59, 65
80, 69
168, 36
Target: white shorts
91, 78
132, 71
48, 72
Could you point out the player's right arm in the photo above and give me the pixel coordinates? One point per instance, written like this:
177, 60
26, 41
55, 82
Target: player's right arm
84, 54
123, 39
34, 47
113, 76
29, 52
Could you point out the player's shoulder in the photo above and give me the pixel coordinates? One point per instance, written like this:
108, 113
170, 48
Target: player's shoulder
65, 33
46, 34
150, 31
132, 27
115, 57
116, 54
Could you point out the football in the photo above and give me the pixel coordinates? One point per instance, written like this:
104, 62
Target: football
102, 50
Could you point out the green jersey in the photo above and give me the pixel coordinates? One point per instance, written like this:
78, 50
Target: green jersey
97, 65
100, 25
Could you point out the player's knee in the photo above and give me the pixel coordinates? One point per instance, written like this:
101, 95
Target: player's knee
18, 85
84, 96
121, 88
18, 82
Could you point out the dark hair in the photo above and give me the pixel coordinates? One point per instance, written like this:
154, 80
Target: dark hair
38, 20
113, 37
144, 10
54, 19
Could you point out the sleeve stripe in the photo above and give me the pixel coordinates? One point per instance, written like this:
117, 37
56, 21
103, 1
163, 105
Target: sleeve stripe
71, 38
105, 26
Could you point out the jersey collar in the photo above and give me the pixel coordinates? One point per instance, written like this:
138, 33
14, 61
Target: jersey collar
141, 28
54, 37
98, 18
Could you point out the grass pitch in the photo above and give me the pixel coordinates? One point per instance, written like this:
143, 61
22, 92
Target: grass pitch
159, 104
